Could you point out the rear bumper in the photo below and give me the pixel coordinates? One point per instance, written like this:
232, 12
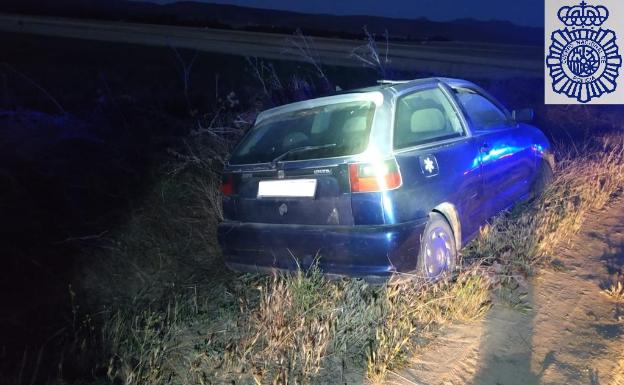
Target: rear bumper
359, 251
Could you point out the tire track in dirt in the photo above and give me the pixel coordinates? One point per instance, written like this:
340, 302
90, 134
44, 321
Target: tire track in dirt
573, 334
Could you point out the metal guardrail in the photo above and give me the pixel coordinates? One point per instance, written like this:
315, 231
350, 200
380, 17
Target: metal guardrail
440, 58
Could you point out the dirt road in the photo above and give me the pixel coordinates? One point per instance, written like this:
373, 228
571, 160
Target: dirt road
573, 334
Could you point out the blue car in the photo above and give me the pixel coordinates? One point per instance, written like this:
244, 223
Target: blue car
392, 178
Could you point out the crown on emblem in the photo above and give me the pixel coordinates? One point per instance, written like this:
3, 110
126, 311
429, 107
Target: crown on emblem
583, 15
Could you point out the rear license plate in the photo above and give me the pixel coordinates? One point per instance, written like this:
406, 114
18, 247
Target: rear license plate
287, 188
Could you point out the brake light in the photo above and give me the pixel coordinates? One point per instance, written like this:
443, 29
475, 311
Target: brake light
370, 177
227, 185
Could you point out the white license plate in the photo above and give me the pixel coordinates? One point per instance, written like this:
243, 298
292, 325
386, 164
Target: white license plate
287, 188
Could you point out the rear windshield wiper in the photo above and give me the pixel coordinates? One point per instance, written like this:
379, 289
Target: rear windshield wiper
300, 149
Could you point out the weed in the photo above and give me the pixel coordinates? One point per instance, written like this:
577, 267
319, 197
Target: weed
413, 309
369, 56
517, 242
291, 328
615, 291
303, 46
617, 375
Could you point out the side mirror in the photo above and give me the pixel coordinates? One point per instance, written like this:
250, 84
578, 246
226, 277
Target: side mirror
523, 115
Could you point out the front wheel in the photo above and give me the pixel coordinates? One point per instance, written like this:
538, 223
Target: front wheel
543, 178
438, 252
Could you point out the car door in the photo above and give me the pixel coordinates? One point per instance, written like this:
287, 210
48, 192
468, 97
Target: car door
506, 155
438, 158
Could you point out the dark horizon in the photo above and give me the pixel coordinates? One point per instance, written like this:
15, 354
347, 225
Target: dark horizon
529, 13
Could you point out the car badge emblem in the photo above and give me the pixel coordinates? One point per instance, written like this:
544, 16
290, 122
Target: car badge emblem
280, 174
583, 59
283, 209
322, 171
429, 165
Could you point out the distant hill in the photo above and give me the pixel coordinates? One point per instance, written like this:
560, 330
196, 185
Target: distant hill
188, 13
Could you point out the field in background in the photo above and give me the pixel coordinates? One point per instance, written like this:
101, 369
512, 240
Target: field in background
124, 153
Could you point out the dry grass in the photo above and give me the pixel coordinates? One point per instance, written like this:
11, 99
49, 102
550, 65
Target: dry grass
586, 180
144, 347
617, 376
300, 328
304, 324
299, 324
519, 241
368, 54
412, 310
291, 329
615, 291
168, 242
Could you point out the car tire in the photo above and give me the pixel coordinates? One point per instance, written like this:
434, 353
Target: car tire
438, 252
544, 177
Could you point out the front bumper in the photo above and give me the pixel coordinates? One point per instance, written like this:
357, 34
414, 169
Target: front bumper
359, 251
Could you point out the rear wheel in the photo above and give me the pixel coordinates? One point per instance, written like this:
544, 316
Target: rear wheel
438, 252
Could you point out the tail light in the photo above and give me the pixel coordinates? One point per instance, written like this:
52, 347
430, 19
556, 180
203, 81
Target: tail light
370, 177
227, 185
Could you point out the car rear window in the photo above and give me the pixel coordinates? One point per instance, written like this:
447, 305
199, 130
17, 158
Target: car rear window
332, 130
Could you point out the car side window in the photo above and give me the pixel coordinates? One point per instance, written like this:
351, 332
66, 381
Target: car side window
482, 112
425, 116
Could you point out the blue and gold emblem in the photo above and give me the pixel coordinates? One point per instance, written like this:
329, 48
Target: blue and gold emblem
583, 58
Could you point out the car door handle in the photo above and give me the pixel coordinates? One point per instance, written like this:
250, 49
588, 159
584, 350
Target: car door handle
486, 148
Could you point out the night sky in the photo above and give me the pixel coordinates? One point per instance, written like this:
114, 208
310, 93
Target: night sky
525, 12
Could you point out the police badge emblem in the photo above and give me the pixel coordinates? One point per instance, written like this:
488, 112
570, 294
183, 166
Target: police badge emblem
583, 58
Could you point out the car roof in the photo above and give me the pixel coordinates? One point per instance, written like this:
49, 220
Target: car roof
400, 85
383, 87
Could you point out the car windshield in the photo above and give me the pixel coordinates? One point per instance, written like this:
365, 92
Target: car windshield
333, 130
